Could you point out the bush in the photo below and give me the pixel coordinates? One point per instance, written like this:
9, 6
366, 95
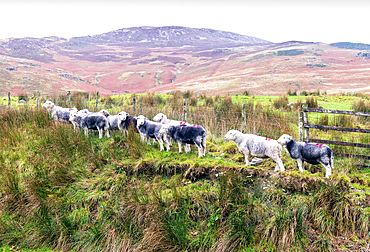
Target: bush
361, 105
312, 102
281, 102
304, 93
290, 93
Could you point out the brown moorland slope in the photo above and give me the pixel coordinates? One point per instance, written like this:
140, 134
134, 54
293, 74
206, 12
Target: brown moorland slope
162, 59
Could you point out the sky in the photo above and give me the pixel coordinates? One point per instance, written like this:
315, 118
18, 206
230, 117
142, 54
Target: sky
326, 21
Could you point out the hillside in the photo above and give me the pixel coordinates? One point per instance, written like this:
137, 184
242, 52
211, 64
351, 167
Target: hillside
161, 59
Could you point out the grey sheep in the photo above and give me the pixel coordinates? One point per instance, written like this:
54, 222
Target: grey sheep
59, 114
308, 152
185, 134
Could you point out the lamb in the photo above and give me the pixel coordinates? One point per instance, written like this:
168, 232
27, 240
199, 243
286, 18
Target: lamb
310, 152
151, 130
186, 134
257, 146
59, 114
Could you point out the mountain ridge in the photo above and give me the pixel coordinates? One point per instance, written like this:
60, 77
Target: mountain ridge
162, 59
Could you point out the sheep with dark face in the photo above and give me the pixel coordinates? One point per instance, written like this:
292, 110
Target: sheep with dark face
257, 146
185, 134
59, 114
308, 152
150, 129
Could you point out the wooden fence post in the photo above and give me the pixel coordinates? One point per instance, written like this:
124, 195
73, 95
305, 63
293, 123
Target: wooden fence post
301, 126
305, 130
69, 98
244, 118
9, 100
97, 100
185, 111
37, 99
134, 103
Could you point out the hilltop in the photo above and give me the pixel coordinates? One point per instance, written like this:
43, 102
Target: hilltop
162, 59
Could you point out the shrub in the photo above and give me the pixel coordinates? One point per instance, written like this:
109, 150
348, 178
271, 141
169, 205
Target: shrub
209, 101
151, 99
23, 96
281, 102
304, 93
311, 102
361, 105
290, 93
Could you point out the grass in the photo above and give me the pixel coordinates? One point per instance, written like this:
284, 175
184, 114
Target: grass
64, 191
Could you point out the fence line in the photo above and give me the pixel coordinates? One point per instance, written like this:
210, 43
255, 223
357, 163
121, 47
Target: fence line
305, 126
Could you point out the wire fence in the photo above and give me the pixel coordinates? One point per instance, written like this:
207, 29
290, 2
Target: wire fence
344, 131
216, 120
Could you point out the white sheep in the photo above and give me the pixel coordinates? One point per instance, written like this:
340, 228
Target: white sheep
257, 146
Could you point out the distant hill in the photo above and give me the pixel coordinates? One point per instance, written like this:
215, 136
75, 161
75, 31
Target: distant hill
162, 59
168, 36
348, 45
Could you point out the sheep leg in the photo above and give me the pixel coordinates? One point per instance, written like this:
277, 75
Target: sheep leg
107, 132
300, 165
179, 147
86, 131
199, 145
200, 151
143, 137
246, 154
167, 143
160, 144
100, 133
279, 164
187, 148
204, 144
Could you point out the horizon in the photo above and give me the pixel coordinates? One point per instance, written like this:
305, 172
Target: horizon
274, 21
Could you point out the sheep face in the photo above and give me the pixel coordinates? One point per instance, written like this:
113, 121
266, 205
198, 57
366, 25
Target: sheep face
159, 117
48, 105
140, 121
231, 135
73, 116
284, 139
122, 116
104, 112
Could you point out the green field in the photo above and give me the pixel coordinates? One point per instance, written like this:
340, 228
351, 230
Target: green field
61, 190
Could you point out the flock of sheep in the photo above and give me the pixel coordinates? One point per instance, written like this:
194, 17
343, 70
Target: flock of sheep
162, 129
